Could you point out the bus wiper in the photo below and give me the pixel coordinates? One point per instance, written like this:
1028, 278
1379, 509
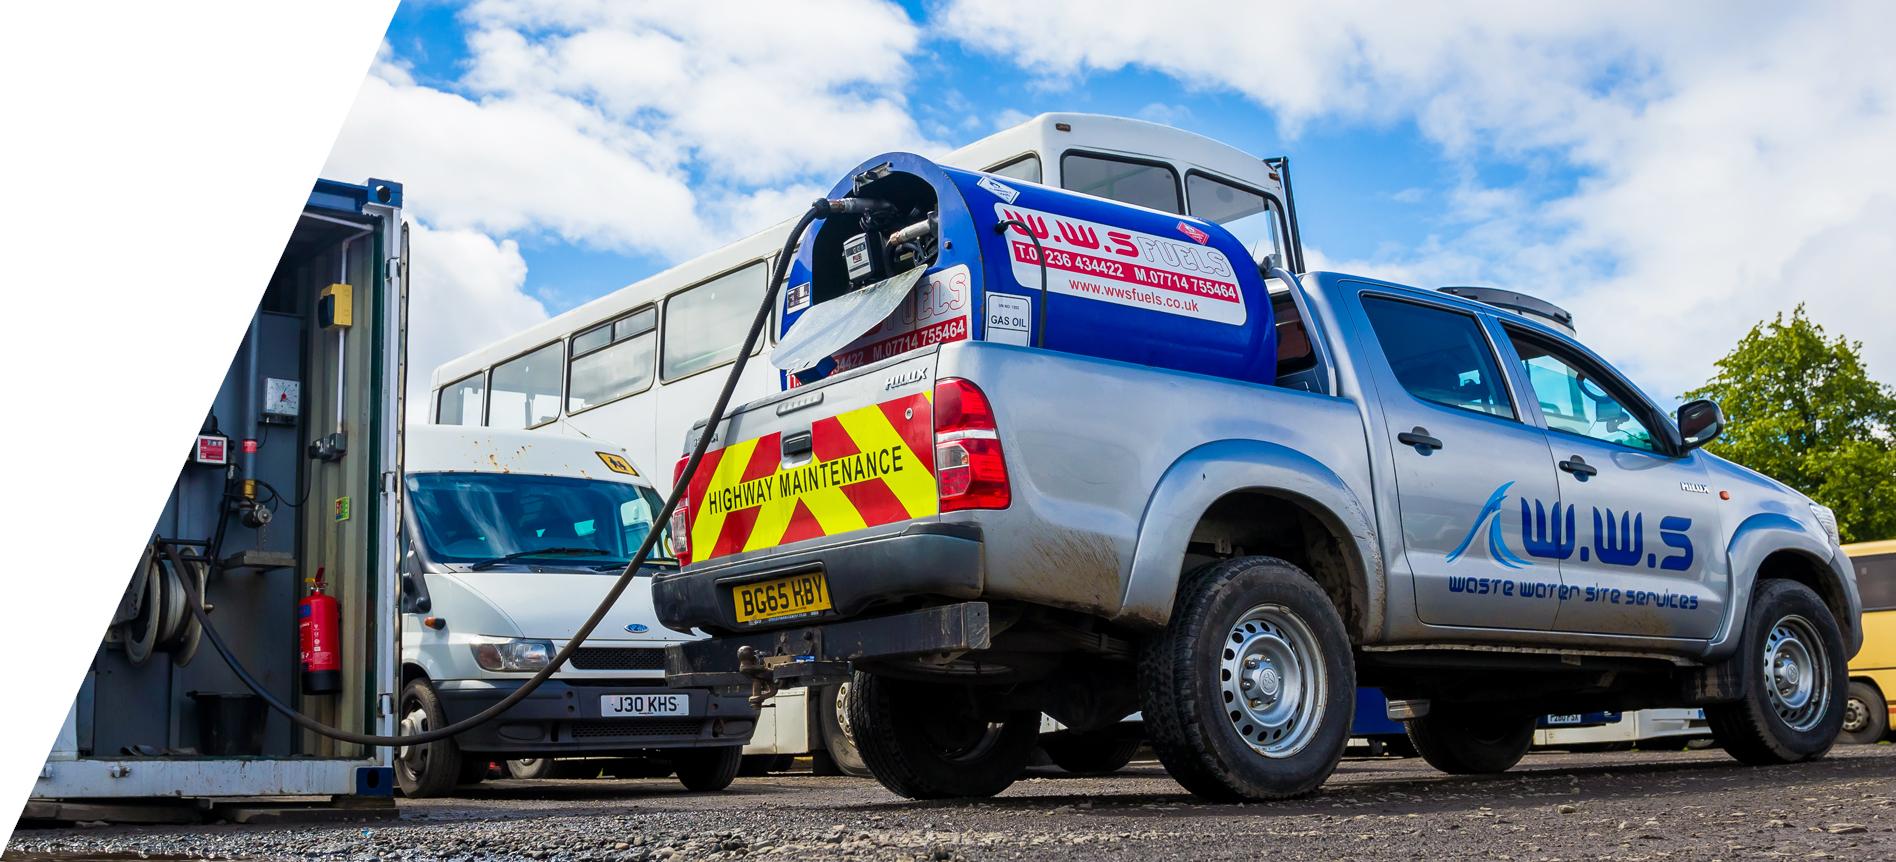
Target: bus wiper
536, 552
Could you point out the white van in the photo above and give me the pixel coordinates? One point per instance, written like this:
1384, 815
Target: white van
513, 539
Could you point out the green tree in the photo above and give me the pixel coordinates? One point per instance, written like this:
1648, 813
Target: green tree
1800, 408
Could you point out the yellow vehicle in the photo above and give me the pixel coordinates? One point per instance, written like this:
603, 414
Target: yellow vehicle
1868, 714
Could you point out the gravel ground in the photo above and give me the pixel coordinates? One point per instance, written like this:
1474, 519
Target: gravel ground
1633, 806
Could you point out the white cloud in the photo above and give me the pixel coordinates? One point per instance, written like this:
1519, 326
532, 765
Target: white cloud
1734, 160
649, 128
465, 290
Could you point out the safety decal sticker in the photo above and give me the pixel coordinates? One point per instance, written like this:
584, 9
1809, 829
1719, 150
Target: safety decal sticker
1198, 236
869, 466
1124, 267
999, 189
617, 463
1008, 319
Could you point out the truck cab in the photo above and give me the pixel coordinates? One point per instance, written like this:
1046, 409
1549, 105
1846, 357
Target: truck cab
1163, 475
512, 539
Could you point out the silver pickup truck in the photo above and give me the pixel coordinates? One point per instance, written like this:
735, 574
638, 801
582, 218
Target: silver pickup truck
1454, 502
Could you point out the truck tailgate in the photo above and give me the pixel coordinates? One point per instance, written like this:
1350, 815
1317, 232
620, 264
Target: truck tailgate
847, 453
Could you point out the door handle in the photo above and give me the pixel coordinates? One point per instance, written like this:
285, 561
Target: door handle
1579, 467
797, 444
1418, 436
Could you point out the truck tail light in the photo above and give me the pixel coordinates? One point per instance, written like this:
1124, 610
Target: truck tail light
681, 520
969, 468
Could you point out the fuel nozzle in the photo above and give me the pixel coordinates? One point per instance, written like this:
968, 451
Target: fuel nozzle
854, 206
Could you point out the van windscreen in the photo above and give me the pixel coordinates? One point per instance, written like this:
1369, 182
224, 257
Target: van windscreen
487, 519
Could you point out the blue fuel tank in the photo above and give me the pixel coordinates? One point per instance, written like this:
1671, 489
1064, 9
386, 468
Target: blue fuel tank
1121, 282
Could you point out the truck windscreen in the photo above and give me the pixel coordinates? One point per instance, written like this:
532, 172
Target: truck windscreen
487, 519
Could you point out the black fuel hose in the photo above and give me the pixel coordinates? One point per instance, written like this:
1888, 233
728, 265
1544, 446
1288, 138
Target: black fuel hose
821, 208
1040, 254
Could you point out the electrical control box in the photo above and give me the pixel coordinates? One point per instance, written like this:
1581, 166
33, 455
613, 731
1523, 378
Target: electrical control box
335, 308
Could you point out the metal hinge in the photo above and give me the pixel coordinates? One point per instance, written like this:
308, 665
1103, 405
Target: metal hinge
390, 481
384, 705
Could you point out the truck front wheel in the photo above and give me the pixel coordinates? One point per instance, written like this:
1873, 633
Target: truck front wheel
1791, 660
934, 741
1249, 691
1469, 740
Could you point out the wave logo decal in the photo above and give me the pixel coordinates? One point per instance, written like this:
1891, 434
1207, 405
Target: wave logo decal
1490, 517
1551, 533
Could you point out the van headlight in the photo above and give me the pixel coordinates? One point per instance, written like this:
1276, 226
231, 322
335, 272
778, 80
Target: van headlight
512, 655
1828, 520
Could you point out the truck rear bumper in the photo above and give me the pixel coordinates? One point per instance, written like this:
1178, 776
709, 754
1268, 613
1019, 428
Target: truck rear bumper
807, 654
925, 559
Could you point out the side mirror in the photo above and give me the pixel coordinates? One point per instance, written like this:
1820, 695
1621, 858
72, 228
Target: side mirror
1700, 422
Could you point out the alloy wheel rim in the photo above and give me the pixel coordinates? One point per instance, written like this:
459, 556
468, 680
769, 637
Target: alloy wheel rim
1272, 681
1796, 673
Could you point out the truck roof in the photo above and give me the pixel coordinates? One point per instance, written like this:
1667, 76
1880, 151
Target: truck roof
467, 449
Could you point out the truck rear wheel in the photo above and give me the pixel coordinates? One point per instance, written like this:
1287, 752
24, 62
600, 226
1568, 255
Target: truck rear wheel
933, 742
839, 744
707, 769
1469, 740
1249, 691
1792, 663
1101, 752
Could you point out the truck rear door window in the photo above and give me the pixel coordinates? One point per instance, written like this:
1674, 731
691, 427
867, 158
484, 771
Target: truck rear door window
612, 360
706, 324
1247, 214
526, 390
461, 402
1141, 183
1439, 355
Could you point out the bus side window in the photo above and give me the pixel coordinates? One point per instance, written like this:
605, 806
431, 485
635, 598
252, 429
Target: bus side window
1026, 169
1249, 215
705, 324
612, 360
1141, 183
1876, 581
460, 402
526, 390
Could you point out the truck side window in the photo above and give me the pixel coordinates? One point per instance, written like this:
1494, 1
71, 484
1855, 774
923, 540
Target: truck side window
1294, 351
526, 390
705, 324
461, 401
1439, 355
612, 360
1578, 399
1140, 183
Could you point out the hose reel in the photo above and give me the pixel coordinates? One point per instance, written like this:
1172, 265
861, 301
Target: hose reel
153, 616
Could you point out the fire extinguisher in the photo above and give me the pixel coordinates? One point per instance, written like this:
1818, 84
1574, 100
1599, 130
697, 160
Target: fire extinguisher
319, 623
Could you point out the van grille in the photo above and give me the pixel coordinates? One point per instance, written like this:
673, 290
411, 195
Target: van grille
617, 658
635, 727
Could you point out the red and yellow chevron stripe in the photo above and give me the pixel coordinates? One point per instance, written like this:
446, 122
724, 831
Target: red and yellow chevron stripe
869, 466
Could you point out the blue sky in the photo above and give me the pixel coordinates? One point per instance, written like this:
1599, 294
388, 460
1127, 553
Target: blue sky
1610, 158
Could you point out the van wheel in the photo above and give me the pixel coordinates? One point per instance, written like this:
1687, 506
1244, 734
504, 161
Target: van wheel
1101, 752
1792, 663
432, 769
1471, 740
1865, 715
838, 739
933, 742
707, 769
1250, 690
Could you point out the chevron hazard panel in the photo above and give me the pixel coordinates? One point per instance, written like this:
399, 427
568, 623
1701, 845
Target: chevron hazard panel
869, 466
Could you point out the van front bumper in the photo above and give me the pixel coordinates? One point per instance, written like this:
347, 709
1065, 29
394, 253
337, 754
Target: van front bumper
561, 719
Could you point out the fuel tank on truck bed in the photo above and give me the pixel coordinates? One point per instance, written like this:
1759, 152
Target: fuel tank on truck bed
1121, 282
